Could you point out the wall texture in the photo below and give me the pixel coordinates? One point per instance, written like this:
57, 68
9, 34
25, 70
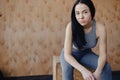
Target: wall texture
32, 31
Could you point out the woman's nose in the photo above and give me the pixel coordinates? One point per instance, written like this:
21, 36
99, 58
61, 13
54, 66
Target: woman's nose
81, 16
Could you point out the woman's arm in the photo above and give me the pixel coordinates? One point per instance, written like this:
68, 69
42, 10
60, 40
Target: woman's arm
102, 49
70, 59
68, 49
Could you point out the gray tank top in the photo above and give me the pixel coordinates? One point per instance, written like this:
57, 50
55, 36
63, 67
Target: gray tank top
91, 38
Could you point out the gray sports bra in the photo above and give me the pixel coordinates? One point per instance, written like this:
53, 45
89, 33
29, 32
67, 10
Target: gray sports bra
90, 38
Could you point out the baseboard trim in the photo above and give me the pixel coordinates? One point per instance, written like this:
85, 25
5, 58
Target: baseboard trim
33, 77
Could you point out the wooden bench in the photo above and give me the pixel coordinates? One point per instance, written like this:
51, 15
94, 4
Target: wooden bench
57, 72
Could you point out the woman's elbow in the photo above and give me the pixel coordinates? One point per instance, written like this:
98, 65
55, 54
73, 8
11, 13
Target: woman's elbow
103, 56
67, 57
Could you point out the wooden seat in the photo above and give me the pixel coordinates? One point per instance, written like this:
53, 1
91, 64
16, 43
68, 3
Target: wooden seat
57, 72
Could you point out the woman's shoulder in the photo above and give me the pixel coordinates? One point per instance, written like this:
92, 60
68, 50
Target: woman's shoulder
68, 27
100, 24
100, 27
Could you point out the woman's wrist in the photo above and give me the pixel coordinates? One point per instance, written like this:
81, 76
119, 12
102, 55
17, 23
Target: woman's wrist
83, 70
98, 71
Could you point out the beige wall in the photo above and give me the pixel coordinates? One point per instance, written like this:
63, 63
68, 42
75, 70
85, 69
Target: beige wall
32, 31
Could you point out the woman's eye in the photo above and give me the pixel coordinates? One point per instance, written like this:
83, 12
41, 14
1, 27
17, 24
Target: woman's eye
77, 13
85, 12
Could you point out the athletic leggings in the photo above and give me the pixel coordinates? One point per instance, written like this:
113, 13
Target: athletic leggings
86, 58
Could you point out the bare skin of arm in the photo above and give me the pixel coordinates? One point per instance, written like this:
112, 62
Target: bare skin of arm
101, 33
87, 75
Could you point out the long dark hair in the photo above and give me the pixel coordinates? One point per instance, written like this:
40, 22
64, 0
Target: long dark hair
77, 29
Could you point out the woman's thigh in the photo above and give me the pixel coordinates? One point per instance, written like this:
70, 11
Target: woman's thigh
90, 59
75, 53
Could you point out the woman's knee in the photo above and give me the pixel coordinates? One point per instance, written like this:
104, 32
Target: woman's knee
65, 65
67, 69
106, 73
107, 69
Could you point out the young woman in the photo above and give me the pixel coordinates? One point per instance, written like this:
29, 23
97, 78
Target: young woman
82, 34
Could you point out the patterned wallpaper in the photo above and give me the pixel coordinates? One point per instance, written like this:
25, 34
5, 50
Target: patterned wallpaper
32, 31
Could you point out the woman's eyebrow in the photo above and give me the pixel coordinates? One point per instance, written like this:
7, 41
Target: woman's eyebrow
82, 10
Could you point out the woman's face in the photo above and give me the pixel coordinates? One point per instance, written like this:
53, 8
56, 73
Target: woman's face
83, 14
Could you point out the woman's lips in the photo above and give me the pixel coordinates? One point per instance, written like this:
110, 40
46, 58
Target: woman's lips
82, 21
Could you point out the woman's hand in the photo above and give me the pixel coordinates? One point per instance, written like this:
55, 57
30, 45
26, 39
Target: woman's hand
96, 75
87, 75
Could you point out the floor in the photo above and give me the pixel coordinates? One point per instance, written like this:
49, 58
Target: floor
116, 76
